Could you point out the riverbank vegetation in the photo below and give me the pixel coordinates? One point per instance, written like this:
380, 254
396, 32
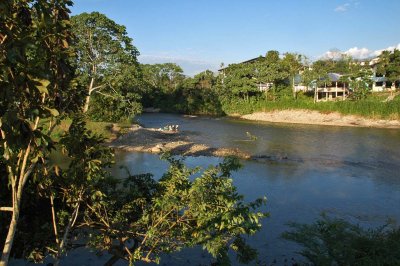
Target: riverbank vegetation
236, 89
50, 81
333, 241
106, 64
372, 107
118, 86
108, 130
57, 74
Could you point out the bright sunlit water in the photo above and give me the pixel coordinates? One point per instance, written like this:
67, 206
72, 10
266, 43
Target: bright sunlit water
346, 172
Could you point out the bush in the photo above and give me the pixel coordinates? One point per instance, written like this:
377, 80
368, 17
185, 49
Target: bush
331, 241
373, 107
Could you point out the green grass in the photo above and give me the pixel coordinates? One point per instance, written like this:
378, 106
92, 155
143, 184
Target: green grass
372, 107
105, 129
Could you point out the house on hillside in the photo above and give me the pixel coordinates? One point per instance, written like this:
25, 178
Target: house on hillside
260, 86
378, 83
333, 90
222, 69
299, 85
264, 86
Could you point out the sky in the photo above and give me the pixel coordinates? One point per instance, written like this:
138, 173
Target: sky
202, 34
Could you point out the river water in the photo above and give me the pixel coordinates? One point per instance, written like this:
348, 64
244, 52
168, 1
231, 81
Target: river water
346, 172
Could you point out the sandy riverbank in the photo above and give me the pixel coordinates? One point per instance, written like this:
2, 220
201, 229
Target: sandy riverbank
317, 118
152, 140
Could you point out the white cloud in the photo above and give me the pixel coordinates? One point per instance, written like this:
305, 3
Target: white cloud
332, 54
357, 53
390, 48
342, 8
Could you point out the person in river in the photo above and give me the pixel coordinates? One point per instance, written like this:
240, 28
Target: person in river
169, 128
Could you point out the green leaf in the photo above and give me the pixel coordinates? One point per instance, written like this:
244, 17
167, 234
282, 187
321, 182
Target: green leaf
34, 160
65, 43
53, 112
42, 88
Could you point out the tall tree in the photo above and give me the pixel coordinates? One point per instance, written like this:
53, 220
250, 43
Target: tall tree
198, 95
292, 64
145, 218
359, 80
37, 83
205, 80
35, 77
166, 76
271, 69
161, 82
272, 56
107, 60
389, 66
239, 80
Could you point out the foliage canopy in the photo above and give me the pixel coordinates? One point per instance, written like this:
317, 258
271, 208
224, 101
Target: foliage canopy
107, 66
45, 72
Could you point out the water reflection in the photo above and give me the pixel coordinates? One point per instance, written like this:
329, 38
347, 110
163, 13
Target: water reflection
295, 192
348, 172
351, 173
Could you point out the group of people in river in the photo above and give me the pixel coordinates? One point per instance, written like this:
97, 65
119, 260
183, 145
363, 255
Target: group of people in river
173, 128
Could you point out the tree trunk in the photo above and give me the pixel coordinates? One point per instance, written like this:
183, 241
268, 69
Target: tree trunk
17, 188
86, 106
87, 101
17, 183
69, 227
294, 89
315, 93
393, 88
11, 233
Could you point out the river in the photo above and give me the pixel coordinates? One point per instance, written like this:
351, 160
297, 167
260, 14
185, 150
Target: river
346, 172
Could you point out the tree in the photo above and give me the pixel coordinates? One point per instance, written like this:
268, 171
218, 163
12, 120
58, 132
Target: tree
317, 74
271, 70
162, 82
333, 241
36, 81
75, 187
145, 218
138, 218
107, 63
292, 64
205, 80
359, 80
38, 89
198, 95
169, 89
171, 76
389, 66
342, 66
166, 76
239, 80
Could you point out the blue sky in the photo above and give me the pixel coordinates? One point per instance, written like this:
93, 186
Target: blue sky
200, 34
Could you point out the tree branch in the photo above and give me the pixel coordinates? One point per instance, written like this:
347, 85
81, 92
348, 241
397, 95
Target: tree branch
95, 88
53, 214
106, 95
67, 230
4, 38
